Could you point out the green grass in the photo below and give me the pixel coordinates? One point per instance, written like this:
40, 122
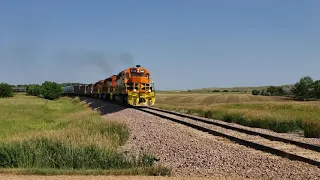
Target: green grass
64, 134
271, 113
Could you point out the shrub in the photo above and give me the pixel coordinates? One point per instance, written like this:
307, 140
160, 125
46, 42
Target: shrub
5, 90
51, 90
255, 92
76, 100
311, 129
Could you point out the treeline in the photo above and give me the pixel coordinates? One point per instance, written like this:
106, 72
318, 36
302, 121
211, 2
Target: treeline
305, 89
216, 91
271, 91
26, 85
227, 91
48, 90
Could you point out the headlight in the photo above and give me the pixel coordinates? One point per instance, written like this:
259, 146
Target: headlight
135, 90
149, 90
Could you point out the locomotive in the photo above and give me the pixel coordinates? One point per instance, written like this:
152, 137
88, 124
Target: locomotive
131, 86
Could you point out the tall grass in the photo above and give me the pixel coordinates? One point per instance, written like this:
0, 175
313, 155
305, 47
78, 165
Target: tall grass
64, 134
280, 117
49, 153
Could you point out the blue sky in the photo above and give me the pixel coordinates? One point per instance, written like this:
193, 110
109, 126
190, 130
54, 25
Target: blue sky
185, 44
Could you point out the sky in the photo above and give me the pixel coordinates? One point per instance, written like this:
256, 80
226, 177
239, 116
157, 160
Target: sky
185, 44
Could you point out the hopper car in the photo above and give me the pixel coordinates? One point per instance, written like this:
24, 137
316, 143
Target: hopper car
131, 86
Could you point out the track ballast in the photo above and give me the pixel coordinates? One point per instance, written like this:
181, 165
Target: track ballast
283, 147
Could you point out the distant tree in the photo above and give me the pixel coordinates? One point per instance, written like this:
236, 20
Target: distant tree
272, 90
275, 90
255, 92
38, 90
225, 91
316, 89
263, 92
34, 90
5, 90
280, 91
51, 90
303, 88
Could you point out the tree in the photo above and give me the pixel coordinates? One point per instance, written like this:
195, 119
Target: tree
316, 89
5, 90
29, 90
34, 90
263, 93
37, 90
51, 90
255, 92
303, 88
280, 91
275, 90
272, 90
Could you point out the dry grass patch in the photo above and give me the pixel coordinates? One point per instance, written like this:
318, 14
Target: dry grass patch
254, 111
208, 99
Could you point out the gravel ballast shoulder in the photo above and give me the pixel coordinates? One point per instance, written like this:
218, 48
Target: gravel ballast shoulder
291, 136
193, 153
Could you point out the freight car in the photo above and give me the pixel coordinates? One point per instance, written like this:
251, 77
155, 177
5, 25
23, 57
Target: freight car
89, 90
67, 90
131, 86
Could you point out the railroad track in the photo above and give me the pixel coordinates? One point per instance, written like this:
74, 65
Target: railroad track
283, 147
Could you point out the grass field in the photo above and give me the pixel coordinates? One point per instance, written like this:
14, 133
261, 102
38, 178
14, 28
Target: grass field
206, 99
241, 89
274, 113
64, 136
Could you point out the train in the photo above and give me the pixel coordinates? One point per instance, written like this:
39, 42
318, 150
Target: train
132, 86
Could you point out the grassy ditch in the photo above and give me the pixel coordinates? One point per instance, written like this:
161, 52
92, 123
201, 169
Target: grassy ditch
277, 116
65, 136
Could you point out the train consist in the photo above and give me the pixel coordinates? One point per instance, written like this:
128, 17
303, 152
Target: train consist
131, 86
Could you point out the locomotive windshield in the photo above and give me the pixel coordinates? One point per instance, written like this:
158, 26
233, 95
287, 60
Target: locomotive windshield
137, 74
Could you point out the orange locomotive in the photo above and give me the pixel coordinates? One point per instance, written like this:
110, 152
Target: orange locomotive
108, 88
97, 89
135, 87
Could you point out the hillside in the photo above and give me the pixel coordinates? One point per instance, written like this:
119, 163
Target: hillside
237, 89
